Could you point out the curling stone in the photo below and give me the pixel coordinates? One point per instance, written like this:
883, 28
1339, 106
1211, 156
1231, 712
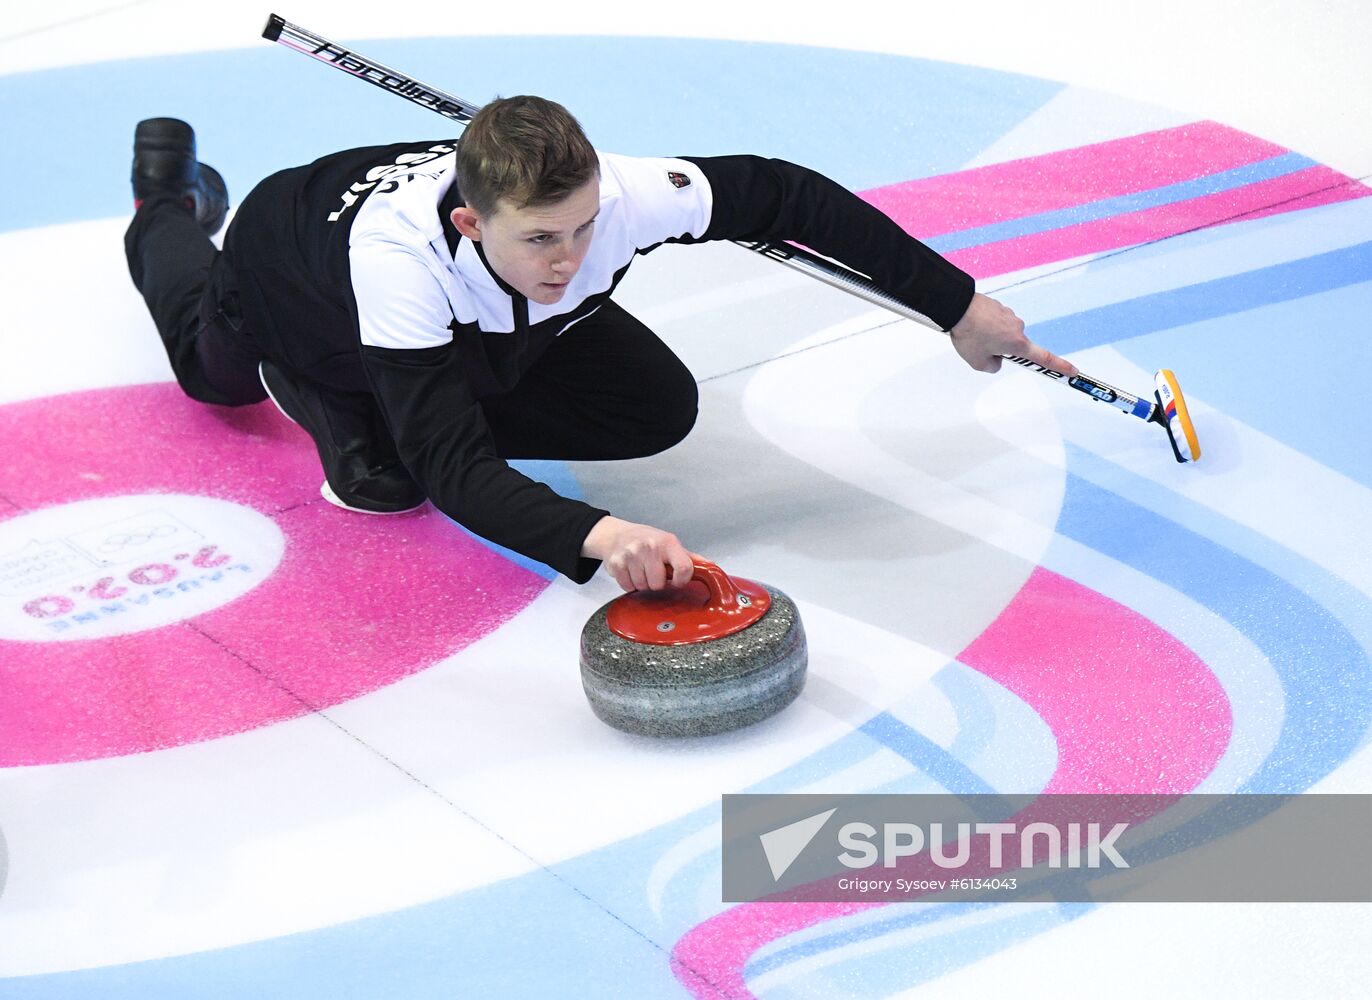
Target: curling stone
717, 654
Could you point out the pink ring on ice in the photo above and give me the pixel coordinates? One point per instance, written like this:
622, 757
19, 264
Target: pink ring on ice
170, 574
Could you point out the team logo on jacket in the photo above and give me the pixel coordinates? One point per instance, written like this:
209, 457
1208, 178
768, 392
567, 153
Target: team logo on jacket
678, 180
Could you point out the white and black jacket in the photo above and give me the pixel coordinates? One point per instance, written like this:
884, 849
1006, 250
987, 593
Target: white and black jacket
350, 272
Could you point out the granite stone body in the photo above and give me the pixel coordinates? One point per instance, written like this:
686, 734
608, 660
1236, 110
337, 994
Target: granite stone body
698, 688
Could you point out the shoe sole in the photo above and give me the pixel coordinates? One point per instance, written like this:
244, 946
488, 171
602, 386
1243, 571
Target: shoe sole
326, 491
262, 377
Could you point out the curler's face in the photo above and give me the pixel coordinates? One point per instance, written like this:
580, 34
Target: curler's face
536, 249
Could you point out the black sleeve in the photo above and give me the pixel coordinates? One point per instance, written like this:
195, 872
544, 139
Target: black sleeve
757, 199
446, 445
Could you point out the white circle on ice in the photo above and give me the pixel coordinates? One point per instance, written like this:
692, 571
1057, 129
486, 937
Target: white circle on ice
119, 565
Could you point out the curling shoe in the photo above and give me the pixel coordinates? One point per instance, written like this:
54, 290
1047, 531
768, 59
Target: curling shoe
164, 162
360, 474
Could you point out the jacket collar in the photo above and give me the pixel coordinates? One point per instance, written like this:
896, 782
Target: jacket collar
453, 199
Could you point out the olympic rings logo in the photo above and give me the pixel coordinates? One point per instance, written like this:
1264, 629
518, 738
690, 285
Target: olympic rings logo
124, 540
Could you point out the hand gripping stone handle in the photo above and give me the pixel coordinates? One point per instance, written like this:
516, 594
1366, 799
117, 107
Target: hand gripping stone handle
677, 616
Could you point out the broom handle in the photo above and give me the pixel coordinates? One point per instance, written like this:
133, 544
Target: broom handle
293, 36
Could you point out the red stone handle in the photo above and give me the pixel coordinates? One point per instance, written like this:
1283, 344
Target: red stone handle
676, 616
723, 592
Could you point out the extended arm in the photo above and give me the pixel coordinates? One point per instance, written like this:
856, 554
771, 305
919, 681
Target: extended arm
757, 199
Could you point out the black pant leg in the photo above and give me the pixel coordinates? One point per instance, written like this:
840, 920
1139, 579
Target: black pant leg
170, 260
607, 388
